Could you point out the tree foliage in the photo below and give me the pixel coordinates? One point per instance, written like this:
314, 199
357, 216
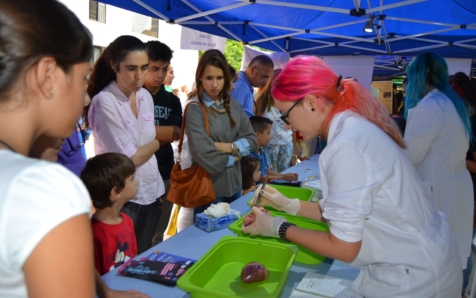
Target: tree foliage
234, 53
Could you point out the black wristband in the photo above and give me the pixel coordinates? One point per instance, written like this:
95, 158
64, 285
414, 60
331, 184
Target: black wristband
282, 230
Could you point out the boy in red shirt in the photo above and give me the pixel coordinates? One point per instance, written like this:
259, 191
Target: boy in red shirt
109, 178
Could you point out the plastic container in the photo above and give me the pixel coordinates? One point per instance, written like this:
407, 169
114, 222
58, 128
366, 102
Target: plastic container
303, 194
218, 272
304, 255
313, 182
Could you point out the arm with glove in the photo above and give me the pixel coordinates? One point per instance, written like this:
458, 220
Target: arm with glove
323, 243
272, 197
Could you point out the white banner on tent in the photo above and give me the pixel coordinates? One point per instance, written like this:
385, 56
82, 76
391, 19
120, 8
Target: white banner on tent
456, 65
196, 40
358, 67
279, 59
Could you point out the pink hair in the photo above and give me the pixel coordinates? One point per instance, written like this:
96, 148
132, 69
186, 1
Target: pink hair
305, 75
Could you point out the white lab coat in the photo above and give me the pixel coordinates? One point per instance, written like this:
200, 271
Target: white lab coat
436, 145
372, 193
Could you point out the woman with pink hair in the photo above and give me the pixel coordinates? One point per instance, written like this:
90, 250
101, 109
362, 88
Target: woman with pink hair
380, 218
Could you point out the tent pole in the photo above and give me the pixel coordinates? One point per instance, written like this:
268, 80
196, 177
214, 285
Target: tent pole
276, 37
419, 21
421, 48
315, 41
151, 10
394, 5
213, 22
259, 31
313, 48
209, 12
303, 6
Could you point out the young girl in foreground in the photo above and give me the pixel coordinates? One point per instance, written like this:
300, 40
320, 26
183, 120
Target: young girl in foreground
250, 173
44, 208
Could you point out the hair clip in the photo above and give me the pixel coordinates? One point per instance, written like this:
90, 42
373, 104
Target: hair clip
338, 83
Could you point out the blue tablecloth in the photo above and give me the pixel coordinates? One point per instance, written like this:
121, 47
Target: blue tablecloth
194, 243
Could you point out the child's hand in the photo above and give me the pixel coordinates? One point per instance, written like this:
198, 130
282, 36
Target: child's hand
290, 176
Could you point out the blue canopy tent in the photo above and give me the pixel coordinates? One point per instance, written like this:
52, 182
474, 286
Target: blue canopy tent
399, 29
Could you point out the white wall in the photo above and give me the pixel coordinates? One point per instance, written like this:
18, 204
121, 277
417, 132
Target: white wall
358, 67
119, 22
185, 62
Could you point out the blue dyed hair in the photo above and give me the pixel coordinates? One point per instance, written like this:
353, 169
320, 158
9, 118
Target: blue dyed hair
430, 69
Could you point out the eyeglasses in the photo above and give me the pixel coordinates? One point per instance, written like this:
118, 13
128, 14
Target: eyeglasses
285, 115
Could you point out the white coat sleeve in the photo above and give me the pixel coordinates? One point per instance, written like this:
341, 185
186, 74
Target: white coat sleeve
420, 131
352, 184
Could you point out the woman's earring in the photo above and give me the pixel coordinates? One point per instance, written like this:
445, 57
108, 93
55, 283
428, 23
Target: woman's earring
312, 109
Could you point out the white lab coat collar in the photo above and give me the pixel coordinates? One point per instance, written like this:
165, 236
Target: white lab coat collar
336, 123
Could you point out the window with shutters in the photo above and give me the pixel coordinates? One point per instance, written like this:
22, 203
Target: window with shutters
97, 11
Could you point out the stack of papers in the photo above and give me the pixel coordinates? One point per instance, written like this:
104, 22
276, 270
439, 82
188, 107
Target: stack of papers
318, 285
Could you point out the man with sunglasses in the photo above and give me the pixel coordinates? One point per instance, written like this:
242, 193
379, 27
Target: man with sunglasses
256, 75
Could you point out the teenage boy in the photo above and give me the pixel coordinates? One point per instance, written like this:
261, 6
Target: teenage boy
262, 128
168, 120
109, 178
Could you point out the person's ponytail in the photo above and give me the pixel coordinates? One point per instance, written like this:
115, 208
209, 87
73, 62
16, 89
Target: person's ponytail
101, 76
358, 99
228, 111
305, 75
103, 73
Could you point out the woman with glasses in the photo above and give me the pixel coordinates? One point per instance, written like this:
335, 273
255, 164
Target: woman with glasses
380, 217
231, 134
45, 233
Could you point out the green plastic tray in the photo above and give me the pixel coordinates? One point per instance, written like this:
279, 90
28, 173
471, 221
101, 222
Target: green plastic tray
292, 192
304, 255
218, 272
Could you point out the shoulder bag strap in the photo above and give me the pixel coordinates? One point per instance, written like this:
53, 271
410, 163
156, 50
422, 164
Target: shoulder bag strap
182, 131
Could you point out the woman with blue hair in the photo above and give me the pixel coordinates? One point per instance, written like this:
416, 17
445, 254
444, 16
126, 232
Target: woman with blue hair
437, 138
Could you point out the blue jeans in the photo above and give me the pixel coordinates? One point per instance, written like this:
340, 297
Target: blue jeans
228, 200
145, 219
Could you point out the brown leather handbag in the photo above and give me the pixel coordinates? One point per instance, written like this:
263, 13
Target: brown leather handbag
191, 187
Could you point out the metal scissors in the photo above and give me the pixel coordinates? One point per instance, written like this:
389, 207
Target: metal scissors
258, 200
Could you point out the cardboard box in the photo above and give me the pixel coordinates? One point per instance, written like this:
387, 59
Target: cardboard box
210, 223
